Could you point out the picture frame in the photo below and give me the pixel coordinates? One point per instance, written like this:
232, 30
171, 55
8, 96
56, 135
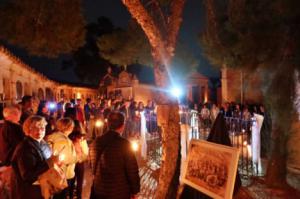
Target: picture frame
211, 168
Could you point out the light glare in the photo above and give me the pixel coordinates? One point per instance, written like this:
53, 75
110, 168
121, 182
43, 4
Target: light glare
176, 92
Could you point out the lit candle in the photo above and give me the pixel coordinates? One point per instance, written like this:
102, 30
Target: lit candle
134, 145
99, 123
61, 157
249, 150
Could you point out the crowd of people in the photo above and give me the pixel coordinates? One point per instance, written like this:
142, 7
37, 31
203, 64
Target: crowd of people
208, 112
45, 147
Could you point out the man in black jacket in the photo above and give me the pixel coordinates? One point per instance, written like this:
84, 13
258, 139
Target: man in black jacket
11, 134
114, 164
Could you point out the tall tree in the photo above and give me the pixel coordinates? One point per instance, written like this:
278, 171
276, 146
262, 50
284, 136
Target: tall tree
131, 46
43, 27
260, 36
161, 21
87, 64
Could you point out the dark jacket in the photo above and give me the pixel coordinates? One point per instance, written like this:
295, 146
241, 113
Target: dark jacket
11, 135
25, 115
115, 169
29, 162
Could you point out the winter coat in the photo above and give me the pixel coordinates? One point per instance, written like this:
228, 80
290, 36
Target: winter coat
11, 135
115, 170
29, 161
62, 145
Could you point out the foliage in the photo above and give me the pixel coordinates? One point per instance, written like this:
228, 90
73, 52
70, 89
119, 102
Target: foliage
130, 46
88, 65
260, 35
125, 47
43, 27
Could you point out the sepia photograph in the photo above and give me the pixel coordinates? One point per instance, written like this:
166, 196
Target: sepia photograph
211, 168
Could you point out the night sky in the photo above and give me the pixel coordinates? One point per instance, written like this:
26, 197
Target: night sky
193, 21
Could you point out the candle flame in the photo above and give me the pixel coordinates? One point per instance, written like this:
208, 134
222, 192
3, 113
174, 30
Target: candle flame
99, 123
61, 157
134, 145
249, 150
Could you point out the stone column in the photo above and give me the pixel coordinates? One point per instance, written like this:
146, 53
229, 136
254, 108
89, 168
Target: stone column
206, 93
224, 85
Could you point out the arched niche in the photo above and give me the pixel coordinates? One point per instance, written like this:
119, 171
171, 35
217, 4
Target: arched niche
49, 94
41, 94
19, 90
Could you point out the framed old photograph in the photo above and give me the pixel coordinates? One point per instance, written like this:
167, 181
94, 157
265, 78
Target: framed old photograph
211, 168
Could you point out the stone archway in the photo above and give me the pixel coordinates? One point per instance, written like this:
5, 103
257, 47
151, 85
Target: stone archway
19, 90
49, 94
6, 89
27, 89
62, 93
41, 94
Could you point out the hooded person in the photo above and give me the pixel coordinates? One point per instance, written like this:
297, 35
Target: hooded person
219, 135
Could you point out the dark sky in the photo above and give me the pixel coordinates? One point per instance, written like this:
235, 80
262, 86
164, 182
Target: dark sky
116, 11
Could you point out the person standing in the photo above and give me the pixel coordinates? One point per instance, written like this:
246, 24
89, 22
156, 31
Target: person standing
27, 108
113, 163
61, 144
11, 134
88, 117
80, 112
32, 158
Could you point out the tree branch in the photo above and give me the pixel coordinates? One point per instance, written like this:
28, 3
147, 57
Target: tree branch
174, 23
138, 12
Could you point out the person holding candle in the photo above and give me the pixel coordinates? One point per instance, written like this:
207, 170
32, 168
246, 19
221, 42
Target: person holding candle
32, 158
62, 145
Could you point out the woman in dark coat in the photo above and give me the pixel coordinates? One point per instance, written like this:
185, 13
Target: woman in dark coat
31, 158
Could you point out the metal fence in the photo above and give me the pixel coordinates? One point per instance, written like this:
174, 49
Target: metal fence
240, 133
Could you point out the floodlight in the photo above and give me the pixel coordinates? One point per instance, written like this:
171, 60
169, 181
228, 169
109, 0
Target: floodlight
176, 92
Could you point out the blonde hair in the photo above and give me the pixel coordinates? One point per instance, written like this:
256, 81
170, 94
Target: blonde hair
11, 110
33, 121
64, 124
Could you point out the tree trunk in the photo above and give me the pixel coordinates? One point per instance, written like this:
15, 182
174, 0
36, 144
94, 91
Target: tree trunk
276, 170
280, 96
163, 46
168, 120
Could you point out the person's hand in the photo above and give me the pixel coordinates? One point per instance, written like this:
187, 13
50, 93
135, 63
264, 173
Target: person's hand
134, 197
55, 159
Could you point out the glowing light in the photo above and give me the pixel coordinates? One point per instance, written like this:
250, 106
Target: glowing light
245, 143
249, 150
176, 92
61, 157
99, 123
134, 145
52, 105
78, 95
